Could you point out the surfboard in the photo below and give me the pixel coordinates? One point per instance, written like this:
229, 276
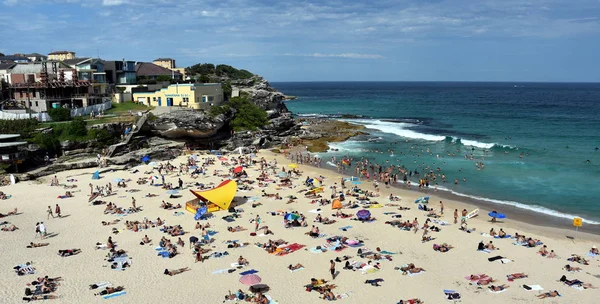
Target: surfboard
472, 214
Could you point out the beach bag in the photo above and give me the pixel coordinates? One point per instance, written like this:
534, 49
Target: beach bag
453, 296
28, 292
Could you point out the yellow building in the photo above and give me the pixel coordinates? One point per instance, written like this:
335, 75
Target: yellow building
189, 95
61, 55
166, 63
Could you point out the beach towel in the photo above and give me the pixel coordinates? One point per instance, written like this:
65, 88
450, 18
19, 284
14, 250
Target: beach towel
593, 255
485, 251
508, 236
164, 254
315, 250
100, 285
452, 295
236, 265
533, 287
219, 271
63, 196
251, 271
410, 274
499, 291
485, 235
495, 258
315, 211
387, 252
505, 261
113, 295
345, 228
297, 269
389, 213
578, 287
178, 213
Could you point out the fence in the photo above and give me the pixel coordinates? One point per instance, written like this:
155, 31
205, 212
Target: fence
43, 117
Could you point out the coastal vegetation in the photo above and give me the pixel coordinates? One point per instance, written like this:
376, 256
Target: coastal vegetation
206, 71
247, 116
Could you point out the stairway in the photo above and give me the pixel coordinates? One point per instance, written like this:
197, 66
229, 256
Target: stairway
138, 126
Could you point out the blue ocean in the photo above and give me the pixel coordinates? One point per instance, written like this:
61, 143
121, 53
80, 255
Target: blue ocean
538, 142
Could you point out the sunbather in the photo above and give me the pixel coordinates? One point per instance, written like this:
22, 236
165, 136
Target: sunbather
576, 283
10, 228
242, 261
594, 249
374, 282
236, 229
68, 252
498, 288
109, 290
35, 245
551, 294
295, 267
578, 259
514, 276
40, 298
14, 212
571, 269
176, 272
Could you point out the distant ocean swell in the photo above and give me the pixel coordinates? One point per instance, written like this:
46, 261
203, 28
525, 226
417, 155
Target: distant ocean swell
353, 147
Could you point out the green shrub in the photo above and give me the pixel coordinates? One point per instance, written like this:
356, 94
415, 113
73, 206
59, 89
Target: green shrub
48, 142
248, 116
24, 127
60, 114
215, 111
102, 137
77, 127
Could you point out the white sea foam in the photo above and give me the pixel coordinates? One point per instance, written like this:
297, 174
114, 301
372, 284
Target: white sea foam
534, 208
402, 129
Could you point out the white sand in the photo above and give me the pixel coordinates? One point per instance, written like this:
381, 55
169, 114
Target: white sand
145, 282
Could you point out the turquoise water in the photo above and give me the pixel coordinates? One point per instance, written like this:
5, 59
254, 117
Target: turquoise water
535, 139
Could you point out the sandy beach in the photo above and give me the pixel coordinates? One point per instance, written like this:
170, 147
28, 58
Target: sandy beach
80, 227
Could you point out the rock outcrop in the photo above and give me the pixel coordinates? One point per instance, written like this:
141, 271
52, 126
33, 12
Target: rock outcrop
187, 124
261, 93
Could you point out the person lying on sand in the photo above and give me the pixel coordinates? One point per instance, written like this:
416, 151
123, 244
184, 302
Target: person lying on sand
578, 259
514, 276
498, 287
176, 272
238, 295
14, 212
10, 228
411, 301
551, 294
374, 282
41, 298
410, 268
442, 248
68, 252
594, 249
571, 269
236, 229
294, 267
236, 244
110, 290
36, 245
576, 282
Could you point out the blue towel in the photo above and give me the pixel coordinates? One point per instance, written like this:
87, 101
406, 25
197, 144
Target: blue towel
345, 227
251, 271
505, 237
212, 232
387, 252
164, 254
449, 291
116, 294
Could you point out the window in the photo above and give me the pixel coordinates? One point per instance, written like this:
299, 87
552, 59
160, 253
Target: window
153, 98
211, 98
186, 100
197, 99
21, 94
36, 104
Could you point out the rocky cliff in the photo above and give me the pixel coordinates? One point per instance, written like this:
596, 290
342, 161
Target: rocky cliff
260, 92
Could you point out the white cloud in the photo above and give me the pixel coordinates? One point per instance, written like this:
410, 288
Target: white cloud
113, 2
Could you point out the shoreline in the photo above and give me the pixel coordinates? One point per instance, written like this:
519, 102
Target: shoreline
522, 219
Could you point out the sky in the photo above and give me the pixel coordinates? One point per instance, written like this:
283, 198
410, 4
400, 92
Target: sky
399, 40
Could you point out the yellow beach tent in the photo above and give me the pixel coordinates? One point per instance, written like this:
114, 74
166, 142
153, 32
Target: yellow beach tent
218, 198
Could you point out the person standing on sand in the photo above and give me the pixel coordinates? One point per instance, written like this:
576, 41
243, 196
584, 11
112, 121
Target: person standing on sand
50, 214
91, 189
332, 269
441, 208
464, 216
133, 203
256, 223
42, 230
37, 229
455, 216
57, 210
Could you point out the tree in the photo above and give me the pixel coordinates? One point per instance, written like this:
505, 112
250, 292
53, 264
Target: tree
248, 116
77, 127
204, 79
59, 114
227, 89
163, 78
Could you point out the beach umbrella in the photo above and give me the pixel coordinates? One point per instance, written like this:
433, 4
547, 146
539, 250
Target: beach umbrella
222, 158
291, 216
282, 174
250, 279
173, 192
293, 166
353, 178
238, 169
363, 214
117, 180
497, 215
424, 200
146, 159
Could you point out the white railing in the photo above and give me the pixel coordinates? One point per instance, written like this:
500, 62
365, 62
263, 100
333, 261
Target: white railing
43, 117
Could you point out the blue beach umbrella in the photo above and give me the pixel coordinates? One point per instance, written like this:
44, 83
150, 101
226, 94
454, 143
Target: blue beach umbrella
497, 215
423, 200
146, 159
291, 216
363, 214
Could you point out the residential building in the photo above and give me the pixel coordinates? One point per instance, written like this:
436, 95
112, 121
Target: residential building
169, 63
120, 72
166, 63
92, 70
14, 59
189, 95
61, 55
5, 71
41, 86
148, 70
34, 57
